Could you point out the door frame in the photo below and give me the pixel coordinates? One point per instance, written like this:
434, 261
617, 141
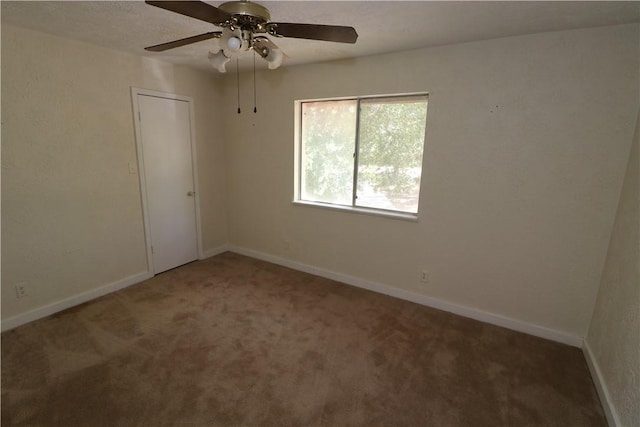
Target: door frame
135, 92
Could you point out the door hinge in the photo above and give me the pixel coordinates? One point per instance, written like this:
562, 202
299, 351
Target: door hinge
139, 116
152, 249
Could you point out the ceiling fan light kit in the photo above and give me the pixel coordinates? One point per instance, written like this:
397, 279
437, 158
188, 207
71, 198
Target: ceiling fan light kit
242, 22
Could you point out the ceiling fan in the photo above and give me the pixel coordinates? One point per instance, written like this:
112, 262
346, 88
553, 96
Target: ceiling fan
242, 23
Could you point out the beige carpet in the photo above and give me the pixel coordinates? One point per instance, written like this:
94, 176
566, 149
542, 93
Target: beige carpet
232, 341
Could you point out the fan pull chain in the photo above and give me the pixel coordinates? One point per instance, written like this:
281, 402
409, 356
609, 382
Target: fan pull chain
255, 102
238, 81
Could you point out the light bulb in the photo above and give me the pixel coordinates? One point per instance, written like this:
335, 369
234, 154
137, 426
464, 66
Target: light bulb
234, 43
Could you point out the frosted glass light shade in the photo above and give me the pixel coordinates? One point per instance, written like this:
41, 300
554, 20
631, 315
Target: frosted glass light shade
219, 60
274, 58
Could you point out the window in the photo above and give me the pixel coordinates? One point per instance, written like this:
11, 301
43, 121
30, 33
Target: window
364, 153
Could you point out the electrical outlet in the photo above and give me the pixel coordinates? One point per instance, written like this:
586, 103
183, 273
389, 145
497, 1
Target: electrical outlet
424, 276
21, 290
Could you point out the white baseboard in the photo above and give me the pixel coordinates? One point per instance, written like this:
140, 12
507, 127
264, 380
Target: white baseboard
473, 313
49, 309
601, 386
461, 310
214, 251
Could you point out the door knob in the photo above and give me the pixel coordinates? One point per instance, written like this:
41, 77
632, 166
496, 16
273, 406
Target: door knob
191, 193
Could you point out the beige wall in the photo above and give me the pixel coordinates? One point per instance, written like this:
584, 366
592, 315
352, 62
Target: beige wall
614, 334
527, 141
71, 211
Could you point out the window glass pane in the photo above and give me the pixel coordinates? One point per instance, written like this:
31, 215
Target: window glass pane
328, 144
392, 132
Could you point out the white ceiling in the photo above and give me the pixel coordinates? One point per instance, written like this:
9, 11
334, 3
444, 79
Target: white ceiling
383, 26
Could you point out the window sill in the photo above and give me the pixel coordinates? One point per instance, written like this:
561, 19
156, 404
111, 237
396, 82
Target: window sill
359, 210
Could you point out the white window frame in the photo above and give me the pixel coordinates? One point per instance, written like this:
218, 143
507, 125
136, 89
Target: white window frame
297, 200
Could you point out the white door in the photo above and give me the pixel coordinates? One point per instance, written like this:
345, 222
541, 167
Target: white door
165, 131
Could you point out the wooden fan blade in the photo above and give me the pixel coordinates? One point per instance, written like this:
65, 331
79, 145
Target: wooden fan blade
331, 33
194, 9
188, 40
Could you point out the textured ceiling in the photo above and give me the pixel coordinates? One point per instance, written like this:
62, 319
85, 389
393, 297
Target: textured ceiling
383, 26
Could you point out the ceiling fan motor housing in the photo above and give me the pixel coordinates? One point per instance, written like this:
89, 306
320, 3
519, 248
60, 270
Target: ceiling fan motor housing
248, 15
